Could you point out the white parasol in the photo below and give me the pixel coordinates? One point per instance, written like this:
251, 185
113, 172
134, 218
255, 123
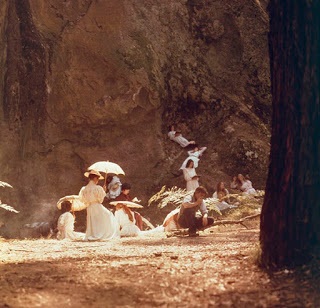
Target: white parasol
77, 204
107, 167
172, 213
128, 204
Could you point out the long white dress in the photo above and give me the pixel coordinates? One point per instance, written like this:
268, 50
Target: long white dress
194, 156
188, 174
127, 227
247, 188
101, 223
223, 205
66, 228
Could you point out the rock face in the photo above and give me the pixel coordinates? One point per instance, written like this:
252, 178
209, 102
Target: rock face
91, 80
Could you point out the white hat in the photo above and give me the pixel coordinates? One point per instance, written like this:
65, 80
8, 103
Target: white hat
95, 172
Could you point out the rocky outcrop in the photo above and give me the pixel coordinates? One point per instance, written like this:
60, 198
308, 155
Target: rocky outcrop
94, 80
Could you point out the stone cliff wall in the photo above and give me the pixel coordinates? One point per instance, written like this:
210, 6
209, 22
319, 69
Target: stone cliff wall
91, 80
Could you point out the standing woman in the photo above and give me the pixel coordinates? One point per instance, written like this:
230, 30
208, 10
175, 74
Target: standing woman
101, 224
190, 176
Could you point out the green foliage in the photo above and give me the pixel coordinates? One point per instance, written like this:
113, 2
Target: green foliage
6, 206
175, 196
4, 184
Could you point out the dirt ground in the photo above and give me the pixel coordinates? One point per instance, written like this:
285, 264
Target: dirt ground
217, 269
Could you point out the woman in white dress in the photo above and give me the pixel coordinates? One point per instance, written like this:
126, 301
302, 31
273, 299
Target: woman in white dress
222, 194
177, 137
126, 220
245, 185
66, 224
194, 155
101, 223
190, 176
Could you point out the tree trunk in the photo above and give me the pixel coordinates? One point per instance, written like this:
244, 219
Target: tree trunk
290, 231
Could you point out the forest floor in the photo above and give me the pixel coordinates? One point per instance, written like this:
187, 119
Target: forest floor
216, 269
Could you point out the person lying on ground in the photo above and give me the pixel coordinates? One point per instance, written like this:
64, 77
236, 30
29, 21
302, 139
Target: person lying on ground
194, 155
177, 137
187, 214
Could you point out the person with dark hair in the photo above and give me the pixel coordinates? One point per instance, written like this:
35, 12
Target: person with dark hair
243, 184
222, 194
114, 187
125, 196
190, 176
187, 214
195, 155
126, 220
177, 137
65, 224
101, 223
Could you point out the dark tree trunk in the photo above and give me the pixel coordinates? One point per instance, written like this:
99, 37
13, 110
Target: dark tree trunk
25, 89
290, 218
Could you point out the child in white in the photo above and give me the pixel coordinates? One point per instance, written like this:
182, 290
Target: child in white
66, 224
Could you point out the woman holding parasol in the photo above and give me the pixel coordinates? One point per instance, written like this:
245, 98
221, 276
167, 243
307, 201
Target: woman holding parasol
101, 224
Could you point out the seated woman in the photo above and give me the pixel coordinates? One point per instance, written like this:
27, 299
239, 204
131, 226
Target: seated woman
125, 196
126, 220
66, 224
243, 184
222, 194
190, 176
194, 155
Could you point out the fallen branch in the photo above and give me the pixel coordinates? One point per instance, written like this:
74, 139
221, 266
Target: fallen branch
232, 222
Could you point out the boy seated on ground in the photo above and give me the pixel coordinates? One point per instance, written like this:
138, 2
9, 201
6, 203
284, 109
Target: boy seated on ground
187, 215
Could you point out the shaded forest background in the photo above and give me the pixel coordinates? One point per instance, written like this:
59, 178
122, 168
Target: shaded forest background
102, 80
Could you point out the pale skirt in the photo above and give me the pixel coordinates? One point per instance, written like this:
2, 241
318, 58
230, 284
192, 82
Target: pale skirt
101, 224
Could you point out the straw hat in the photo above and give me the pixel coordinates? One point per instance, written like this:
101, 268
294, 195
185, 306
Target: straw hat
95, 173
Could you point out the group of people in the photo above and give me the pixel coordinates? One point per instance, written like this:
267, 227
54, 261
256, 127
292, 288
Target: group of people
239, 182
102, 224
190, 164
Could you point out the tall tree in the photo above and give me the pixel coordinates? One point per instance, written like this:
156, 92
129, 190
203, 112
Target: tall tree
290, 218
